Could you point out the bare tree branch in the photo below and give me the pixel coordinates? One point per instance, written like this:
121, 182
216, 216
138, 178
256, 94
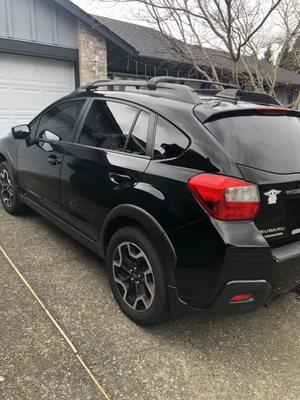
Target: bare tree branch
231, 35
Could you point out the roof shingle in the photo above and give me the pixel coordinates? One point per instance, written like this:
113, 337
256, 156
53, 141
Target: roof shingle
151, 43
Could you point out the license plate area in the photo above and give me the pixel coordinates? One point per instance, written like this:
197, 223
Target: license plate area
293, 214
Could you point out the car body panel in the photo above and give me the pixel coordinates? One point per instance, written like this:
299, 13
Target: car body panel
89, 186
37, 176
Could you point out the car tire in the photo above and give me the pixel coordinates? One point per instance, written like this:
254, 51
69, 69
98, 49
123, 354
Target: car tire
8, 191
136, 276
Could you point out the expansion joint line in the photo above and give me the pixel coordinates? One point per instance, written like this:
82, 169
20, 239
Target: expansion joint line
101, 390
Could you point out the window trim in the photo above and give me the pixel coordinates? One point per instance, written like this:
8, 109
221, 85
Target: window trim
131, 129
128, 103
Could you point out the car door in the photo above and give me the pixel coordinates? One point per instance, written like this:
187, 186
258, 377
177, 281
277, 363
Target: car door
40, 157
101, 169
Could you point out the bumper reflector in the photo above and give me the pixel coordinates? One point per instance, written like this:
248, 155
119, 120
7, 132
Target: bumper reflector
238, 298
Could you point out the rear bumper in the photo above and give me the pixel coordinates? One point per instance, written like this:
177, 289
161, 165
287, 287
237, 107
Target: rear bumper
263, 272
261, 291
214, 261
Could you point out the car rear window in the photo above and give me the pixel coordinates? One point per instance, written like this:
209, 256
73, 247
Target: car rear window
270, 143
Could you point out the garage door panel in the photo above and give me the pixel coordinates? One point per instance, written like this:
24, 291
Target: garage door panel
5, 122
28, 100
28, 85
8, 121
57, 75
51, 95
4, 99
24, 70
21, 119
4, 69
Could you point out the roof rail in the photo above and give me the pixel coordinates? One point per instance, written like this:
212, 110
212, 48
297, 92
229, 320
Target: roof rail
111, 83
174, 91
152, 83
159, 86
253, 97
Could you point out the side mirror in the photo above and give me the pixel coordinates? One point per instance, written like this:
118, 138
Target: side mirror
20, 131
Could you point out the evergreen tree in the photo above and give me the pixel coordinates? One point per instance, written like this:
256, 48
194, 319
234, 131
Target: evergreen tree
296, 55
284, 54
289, 57
268, 55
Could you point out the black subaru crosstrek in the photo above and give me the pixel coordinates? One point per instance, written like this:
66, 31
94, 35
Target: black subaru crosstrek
192, 196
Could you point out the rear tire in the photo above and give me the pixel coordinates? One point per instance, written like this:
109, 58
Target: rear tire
136, 276
8, 191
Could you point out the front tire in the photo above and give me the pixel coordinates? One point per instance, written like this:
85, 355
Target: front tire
8, 191
136, 276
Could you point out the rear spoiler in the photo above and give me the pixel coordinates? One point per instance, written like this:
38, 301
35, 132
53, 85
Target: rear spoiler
207, 113
250, 97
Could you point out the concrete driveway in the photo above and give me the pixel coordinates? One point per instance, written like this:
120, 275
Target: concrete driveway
63, 337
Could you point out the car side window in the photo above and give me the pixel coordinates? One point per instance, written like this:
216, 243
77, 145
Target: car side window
137, 141
169, 141
59, 121
108, 125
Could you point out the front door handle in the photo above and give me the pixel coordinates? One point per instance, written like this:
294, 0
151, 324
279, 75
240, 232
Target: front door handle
119, 178
53, 160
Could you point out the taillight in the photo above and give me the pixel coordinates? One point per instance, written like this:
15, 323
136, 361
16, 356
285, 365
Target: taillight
226, 198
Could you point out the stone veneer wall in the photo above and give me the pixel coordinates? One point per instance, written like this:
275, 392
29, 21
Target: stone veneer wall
92, 54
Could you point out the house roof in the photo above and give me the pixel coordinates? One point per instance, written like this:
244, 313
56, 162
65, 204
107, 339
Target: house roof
149, 42
101, 28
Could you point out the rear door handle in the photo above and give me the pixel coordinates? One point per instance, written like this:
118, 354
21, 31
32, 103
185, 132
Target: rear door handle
119, 178
53, 160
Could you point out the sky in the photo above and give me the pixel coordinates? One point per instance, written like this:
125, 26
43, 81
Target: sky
111, 9
130, 12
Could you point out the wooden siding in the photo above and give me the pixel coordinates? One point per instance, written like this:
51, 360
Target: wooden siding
39, 21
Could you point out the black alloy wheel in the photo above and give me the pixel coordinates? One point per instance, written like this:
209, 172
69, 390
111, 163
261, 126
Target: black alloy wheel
133, 276
136, 275
8, 191
6, 188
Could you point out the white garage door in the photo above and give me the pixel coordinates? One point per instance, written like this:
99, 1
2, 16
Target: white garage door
29, 84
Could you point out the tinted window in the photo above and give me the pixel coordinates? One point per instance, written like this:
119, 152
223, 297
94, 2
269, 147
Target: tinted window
107, 125
137, 141
59, 121
270, 143
169, 141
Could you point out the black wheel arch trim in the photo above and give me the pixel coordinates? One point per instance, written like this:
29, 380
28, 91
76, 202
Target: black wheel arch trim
6, 157
9, 161
153, 229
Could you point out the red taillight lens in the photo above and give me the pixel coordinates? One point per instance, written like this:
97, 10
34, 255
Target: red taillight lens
237, 298
226, 198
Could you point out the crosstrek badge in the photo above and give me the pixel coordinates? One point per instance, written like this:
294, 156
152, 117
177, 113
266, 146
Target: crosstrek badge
272, 195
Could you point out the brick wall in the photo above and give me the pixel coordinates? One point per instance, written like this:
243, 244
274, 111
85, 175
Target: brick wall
92, 54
